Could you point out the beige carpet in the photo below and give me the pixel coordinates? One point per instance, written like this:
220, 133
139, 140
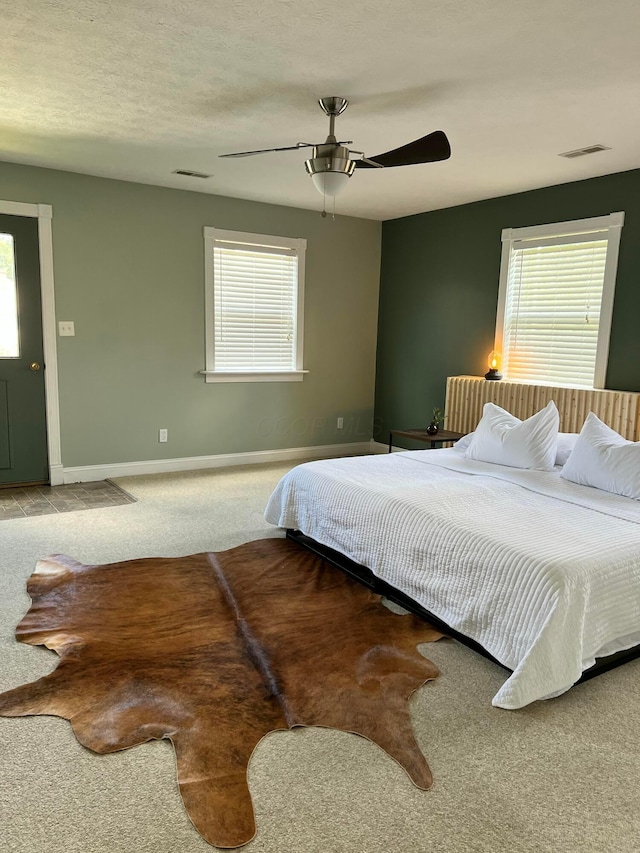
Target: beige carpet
561, 775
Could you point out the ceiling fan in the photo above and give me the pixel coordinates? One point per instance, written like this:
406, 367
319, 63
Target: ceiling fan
332, 164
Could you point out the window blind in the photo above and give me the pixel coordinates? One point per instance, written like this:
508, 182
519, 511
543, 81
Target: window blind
552, 309
255, 296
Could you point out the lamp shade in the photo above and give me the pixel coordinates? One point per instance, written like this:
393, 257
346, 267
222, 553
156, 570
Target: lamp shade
493, 360
330, 183
493, 363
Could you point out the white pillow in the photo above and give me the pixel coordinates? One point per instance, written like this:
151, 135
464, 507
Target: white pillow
464, 442
605, 460
566, 443
503, 439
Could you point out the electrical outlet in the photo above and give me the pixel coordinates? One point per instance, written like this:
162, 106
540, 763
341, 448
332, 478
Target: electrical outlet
66, 329
163, 435
340, 423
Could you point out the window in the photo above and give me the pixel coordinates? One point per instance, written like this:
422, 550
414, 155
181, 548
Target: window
556, 300
254, 307
9, 337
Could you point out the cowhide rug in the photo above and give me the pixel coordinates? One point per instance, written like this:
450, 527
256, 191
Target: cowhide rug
213, 651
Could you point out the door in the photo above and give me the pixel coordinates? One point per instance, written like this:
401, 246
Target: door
23, 428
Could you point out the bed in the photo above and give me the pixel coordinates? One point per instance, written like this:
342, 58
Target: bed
539, 572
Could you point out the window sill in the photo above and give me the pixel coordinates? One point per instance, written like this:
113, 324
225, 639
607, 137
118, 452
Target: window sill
252, 376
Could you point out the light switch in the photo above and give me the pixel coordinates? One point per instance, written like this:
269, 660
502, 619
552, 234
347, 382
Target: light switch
66, 329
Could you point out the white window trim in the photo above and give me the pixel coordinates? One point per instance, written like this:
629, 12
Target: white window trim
210, 374
612, 224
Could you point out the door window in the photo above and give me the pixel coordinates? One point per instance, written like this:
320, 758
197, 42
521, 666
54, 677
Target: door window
9, 340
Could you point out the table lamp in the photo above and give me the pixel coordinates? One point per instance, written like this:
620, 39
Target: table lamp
493, 363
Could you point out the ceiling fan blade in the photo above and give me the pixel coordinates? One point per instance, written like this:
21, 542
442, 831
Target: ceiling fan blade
431, 148
269, 150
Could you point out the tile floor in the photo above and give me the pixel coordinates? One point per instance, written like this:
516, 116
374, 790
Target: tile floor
27, 501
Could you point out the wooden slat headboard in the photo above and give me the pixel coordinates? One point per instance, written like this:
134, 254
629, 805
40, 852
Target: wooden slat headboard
466, 395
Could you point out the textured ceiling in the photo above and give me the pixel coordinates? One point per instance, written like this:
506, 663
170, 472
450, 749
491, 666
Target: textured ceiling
134, 90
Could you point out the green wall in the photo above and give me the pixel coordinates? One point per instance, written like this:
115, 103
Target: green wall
129, 271
439, 291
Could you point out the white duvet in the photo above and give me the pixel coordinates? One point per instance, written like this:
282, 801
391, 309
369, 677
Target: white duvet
543, 573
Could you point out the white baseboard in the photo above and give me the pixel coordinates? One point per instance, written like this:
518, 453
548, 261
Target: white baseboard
56, 475
88, 473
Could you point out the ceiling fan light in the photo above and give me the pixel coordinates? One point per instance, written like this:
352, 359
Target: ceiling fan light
330, 183
330, 173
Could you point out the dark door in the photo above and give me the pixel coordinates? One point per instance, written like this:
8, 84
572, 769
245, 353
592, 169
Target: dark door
23, 429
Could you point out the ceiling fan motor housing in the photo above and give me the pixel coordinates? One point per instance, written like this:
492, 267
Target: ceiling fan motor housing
329, 159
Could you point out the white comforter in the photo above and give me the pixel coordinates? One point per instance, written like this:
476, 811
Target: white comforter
545, 574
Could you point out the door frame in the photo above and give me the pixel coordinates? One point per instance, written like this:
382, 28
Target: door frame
44, 214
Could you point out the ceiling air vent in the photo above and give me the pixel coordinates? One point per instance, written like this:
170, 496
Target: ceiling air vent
190, 174
582, 152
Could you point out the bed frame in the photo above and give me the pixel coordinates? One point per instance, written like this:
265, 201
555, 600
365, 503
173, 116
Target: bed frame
366, 577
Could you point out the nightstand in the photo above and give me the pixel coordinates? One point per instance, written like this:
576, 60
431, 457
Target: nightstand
439, 438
